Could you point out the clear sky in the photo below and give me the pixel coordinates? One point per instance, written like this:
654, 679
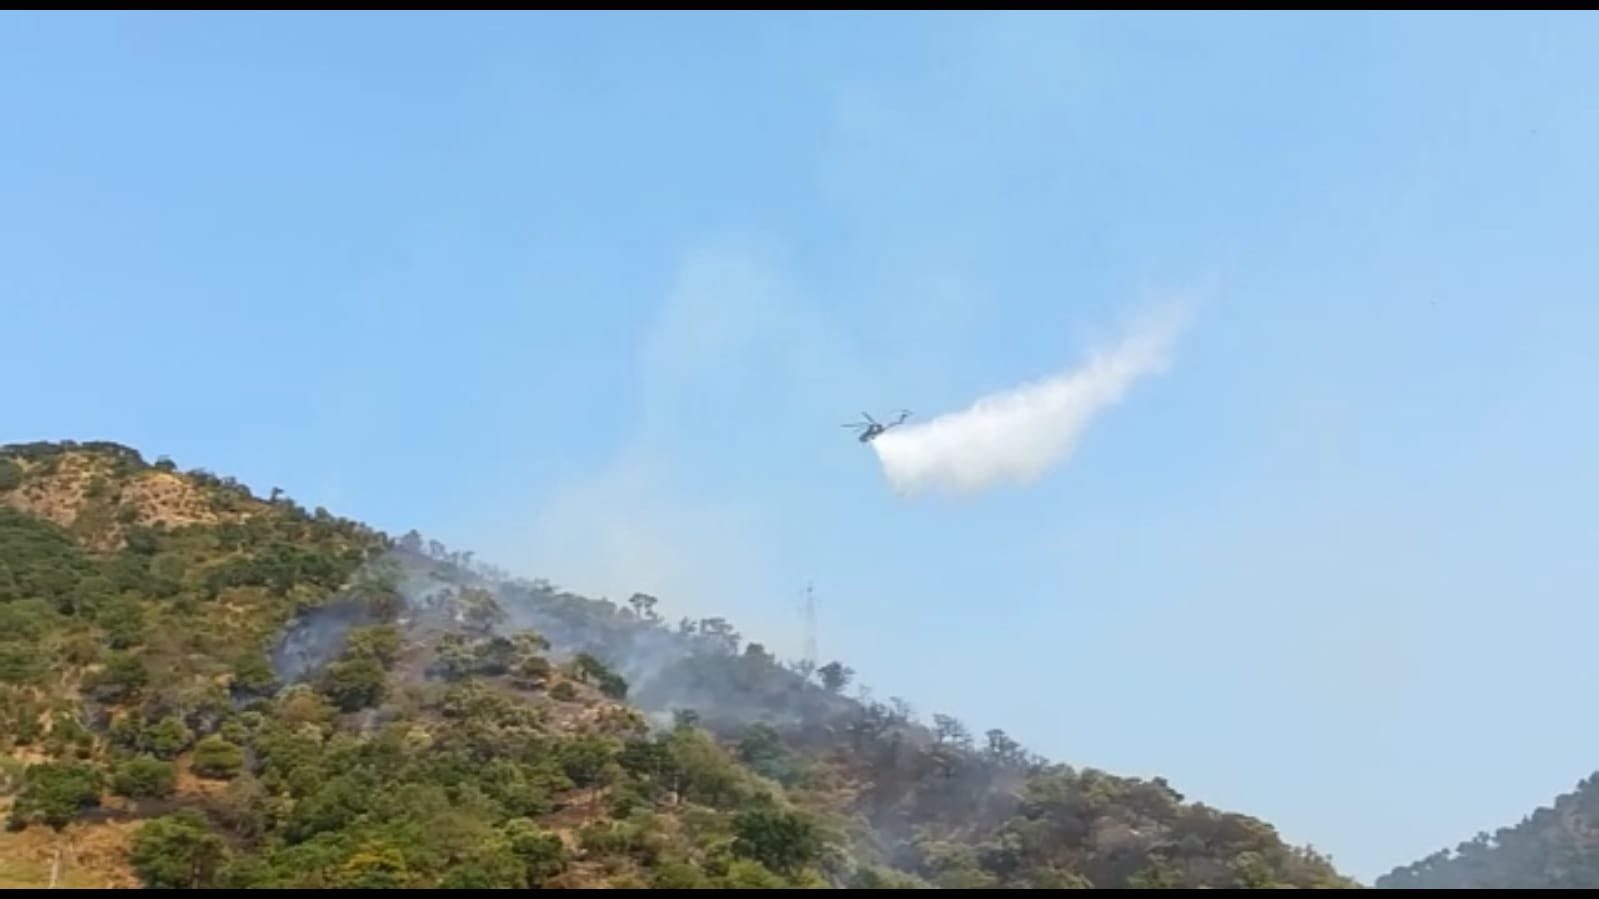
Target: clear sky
592, 294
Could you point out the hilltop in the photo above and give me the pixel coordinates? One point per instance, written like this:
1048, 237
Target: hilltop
1551, 849
200, 686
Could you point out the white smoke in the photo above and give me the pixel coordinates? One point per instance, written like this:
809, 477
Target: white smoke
1017, 435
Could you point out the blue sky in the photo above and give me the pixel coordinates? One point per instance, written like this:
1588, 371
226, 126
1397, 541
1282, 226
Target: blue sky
591, 295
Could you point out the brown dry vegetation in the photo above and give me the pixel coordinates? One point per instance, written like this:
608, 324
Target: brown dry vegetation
83, 492
93, 855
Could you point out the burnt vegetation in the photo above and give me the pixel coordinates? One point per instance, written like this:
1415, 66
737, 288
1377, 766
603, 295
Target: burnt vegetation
285, 698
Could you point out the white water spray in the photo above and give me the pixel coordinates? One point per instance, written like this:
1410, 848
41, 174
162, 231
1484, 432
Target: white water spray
1018, 434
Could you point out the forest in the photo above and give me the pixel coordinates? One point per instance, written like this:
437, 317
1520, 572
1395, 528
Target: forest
205, 687
1551, 849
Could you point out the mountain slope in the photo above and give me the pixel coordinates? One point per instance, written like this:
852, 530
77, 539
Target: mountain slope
202, 687
1555, 847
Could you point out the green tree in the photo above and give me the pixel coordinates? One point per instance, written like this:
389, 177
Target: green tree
532, 672
380, 641
178, 851
494, 656
1002, 749
374, 867
762, 749
216, 758
835, 676
144, 777
590, 669
491, 866
54, 793
1251, 871
354, 684
22, 663
1157, 875
584, 758
541, 854
122, 678
649, 761
677, 875
873, 877
643, 606
10, 475
748, 874
253, 675
530, 642
167, 737
456, 658
782, 841
702, 771
123, 620
68, 736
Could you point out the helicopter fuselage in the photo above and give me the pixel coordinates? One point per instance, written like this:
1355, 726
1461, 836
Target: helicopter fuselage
873, 428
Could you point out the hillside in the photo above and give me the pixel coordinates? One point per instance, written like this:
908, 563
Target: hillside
203, 687
1552, 848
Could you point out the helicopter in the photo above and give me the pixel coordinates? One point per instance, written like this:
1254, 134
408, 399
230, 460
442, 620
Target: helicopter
872, 427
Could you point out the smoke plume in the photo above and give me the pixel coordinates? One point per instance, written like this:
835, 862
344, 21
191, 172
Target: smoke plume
1018, 434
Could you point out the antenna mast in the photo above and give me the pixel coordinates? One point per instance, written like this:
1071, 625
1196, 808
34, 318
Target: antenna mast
810, 625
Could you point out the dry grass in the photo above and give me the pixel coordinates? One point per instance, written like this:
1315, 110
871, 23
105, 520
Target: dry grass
94, 856
60, 496
156, 497
167, 499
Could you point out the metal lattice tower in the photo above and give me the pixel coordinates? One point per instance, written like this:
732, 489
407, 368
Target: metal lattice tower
810, 625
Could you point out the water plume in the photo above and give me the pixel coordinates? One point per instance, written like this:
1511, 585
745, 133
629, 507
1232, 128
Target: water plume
1018, 434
